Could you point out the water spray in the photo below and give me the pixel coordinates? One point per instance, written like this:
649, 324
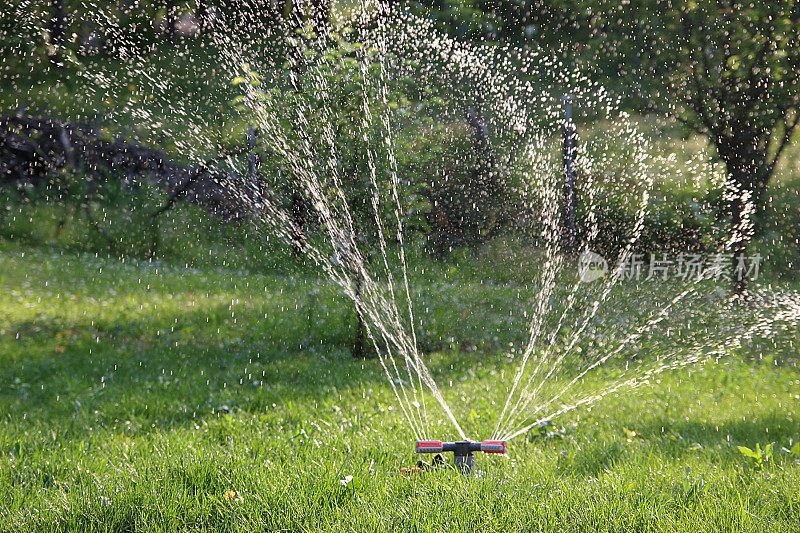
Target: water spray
463, 450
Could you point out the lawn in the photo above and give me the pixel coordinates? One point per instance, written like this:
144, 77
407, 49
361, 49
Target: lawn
149, 396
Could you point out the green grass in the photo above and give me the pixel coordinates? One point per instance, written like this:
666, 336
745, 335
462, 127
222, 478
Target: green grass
146, 396
153, 396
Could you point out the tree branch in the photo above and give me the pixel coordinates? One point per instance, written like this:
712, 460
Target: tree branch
181, 189
696, 100
788, 131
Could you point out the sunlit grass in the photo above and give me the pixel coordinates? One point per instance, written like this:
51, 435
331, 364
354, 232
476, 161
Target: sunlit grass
151, 397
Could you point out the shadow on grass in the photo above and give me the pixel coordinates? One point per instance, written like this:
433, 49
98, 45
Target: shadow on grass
152, 373
717, 443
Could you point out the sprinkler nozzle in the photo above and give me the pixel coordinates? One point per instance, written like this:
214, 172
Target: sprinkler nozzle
462, 450
493, 446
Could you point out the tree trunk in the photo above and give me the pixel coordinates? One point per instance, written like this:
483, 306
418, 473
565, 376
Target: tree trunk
483, 146
170, 19
489, 211
298, 213
321, 14
748, 182
569, 234
739, 243
201, 14
58, 23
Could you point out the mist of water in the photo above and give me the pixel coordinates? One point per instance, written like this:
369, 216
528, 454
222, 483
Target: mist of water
519, 93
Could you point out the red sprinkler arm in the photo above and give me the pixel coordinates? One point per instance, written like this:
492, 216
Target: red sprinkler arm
493, 446
463, 450
429, 446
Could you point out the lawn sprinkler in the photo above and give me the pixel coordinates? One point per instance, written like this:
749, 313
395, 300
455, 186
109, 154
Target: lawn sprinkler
463, 450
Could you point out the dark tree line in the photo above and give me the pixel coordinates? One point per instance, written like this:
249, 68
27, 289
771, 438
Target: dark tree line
726, 69
254, 13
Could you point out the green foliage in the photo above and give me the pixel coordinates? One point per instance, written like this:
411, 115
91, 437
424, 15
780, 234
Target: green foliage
728, 71
321, 120
794, 451
675, 222
706, 59
441, 179
759, 458
335, 114
467, 201
778, 228
691, 490
119, 221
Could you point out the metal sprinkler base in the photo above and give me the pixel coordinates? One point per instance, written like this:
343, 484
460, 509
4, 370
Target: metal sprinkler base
463, 450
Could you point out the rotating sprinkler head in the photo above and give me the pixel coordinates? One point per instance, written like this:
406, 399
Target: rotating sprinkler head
462, 450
